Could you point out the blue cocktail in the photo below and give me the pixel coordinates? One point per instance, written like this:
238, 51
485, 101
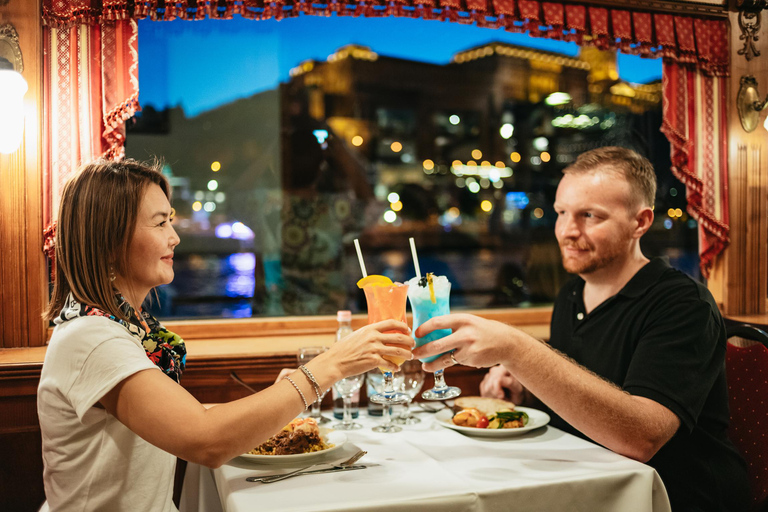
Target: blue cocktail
429, 297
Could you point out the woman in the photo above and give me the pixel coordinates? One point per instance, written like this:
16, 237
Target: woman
112, 424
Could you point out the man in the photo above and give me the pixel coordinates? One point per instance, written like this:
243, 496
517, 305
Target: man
635, 360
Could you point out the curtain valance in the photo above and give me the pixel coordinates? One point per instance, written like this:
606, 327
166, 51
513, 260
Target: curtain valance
682, 38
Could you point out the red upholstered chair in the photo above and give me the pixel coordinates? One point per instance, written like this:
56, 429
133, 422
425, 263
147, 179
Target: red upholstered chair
747, 374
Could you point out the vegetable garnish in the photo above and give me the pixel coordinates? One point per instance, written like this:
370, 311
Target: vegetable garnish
505, 416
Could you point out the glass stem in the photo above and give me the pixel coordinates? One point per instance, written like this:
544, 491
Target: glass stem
315, 409
406, 410
387, 416
389, 385
347, 414
440, 380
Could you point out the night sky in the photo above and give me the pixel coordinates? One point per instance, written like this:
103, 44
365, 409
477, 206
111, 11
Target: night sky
201, 65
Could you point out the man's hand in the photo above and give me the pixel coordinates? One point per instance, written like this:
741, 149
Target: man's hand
474, 342
499, 383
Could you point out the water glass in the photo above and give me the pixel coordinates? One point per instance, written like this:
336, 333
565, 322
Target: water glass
305, 355
413, 380
346, 388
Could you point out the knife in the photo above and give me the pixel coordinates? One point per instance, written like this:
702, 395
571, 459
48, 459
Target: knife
334, 469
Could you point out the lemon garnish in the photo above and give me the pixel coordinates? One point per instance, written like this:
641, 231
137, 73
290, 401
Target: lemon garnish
375, 280
431, 285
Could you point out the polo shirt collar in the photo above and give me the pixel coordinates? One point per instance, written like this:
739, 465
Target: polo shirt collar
635, 287
645, 278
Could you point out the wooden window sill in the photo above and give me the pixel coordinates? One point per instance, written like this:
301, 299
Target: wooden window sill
233, 339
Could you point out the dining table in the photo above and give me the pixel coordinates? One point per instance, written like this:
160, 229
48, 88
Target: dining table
429, 467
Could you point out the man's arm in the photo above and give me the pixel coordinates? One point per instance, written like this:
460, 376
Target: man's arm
633, 426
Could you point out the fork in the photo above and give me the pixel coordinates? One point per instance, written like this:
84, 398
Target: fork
344, 464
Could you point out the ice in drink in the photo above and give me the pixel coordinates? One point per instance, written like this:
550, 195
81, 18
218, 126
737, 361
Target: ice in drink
428, 301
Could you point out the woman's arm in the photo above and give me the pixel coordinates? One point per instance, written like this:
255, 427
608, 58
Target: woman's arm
177, 423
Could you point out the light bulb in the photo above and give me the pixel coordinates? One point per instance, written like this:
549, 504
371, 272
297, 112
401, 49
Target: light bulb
12, 90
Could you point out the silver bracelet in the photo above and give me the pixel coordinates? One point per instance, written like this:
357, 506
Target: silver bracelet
306, 405
312, 379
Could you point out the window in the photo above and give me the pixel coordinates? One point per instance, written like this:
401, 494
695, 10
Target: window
285, 141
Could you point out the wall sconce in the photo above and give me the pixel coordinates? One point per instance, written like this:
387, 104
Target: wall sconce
12, 90
749, 104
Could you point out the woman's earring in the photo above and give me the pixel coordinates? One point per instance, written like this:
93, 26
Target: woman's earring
111, 273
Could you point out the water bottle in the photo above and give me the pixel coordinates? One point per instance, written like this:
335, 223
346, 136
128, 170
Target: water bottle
345, 329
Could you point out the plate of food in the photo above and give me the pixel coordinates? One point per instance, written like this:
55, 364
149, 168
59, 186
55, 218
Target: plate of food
490, 417
300, 440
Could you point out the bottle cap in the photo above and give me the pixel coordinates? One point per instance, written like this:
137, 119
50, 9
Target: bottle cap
344, 316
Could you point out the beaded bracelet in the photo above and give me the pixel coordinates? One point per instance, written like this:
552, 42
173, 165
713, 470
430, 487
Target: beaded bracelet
306, 405
312, 379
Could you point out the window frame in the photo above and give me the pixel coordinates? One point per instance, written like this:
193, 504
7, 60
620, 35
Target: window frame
23, 287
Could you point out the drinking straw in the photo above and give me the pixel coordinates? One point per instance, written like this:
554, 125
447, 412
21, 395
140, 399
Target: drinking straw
415, 257
360, 258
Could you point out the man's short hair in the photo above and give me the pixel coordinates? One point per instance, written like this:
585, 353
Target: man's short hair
635, 168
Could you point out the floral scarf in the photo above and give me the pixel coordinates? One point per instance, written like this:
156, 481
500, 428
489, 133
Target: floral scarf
164, 348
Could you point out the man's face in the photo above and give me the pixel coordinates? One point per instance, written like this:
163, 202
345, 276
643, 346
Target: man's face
595, 227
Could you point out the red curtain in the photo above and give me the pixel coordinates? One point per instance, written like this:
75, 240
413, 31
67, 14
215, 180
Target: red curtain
91, 89
695, 52
695, 122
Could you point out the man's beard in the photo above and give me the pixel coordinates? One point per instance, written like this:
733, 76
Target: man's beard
606, 257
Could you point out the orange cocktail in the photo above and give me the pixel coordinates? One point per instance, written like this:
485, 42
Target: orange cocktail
386, 301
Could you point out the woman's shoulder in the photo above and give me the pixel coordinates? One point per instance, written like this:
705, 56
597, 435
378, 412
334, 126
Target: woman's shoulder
84, 333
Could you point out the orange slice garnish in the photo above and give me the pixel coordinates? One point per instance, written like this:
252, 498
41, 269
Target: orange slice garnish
374, 280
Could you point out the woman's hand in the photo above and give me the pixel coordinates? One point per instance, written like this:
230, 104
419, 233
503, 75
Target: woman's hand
370, 347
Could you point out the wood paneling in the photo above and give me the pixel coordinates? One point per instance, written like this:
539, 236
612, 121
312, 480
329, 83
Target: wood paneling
740, 280
22, 274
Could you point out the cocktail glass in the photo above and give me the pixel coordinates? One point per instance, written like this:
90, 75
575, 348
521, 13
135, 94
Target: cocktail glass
387, 302
428, 302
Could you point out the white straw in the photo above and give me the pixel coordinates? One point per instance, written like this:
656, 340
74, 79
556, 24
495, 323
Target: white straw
360, 258
415, 258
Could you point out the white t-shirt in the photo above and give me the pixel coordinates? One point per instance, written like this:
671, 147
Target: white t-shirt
92, 461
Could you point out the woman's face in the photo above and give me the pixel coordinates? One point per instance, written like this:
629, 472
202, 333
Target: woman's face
150, 252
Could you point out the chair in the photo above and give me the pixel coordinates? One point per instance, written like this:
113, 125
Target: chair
747, 374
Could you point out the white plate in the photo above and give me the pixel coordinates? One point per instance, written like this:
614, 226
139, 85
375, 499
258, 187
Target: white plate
334, 437
536, 419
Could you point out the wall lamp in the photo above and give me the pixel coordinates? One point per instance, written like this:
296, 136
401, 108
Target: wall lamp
12, 90
749, 104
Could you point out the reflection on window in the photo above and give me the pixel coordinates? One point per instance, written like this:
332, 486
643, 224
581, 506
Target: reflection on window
463, 151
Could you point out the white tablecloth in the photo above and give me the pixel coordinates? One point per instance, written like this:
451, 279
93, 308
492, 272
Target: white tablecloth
427, 467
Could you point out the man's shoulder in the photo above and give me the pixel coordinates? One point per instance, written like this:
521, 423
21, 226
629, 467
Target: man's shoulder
678, 283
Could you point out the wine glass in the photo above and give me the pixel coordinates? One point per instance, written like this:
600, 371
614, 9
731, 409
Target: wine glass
377, 382
305, 355
413, 380
346, 388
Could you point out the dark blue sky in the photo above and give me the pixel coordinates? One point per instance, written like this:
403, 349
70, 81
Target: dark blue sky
203, 64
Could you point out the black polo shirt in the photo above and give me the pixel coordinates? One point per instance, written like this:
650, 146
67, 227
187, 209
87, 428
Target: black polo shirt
662, 337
